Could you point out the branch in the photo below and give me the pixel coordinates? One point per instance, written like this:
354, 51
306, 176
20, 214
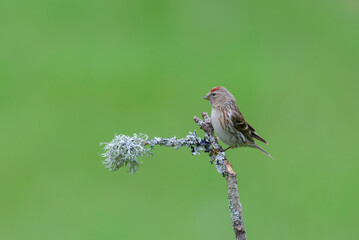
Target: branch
124, 150
235, 206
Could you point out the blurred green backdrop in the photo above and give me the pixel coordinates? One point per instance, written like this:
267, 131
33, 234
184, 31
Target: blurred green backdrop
74, 73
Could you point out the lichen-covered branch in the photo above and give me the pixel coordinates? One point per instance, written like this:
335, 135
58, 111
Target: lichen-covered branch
226, 169
123, 151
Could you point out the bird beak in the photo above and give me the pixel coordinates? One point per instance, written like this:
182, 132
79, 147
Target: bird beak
206, 97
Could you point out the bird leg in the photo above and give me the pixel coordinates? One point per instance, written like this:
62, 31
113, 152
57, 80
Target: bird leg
226, 149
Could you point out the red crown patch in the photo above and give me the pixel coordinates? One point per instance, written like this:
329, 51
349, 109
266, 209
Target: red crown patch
215, 89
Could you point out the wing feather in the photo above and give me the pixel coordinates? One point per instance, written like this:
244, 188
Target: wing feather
241, 125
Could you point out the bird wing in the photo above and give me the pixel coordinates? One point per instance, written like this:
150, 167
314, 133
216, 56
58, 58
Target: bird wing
241, 125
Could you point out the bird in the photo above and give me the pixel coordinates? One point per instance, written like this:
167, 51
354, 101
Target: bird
229, 123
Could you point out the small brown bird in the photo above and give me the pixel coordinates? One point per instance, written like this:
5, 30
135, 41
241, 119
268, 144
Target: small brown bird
229, 123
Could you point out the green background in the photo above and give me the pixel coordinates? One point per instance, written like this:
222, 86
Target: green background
74, 73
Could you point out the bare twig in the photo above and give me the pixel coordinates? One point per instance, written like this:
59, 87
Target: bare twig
123, 151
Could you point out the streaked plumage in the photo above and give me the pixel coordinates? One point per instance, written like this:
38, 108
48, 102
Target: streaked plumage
228, 122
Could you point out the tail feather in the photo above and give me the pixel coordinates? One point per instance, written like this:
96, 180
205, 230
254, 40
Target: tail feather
258, 147
256, 136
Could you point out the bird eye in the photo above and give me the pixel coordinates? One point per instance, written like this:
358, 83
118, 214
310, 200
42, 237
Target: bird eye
213, 94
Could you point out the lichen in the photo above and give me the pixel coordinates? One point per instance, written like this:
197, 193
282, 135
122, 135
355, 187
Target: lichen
219, 162
124, 150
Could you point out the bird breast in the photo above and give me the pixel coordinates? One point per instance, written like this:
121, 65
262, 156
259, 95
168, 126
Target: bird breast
223, 126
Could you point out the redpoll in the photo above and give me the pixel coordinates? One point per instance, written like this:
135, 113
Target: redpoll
229, 123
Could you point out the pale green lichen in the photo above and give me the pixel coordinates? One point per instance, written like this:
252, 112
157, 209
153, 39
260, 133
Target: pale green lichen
124, 150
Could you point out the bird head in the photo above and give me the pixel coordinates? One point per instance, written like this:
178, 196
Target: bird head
219, 96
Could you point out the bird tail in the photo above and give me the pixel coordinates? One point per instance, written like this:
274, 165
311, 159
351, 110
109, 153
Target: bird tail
258, 147
256, 136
